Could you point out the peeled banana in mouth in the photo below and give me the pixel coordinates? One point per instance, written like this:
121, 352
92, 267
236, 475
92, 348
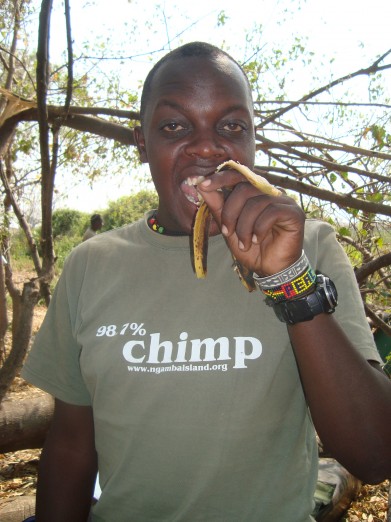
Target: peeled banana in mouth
203, 218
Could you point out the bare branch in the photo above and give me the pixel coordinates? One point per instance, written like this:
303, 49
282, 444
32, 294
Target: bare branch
334, 146
70, 58
377, 321
373, 266
310, 159
22, 65
361, 72
42, 81
21, 219
330, 103
342, 200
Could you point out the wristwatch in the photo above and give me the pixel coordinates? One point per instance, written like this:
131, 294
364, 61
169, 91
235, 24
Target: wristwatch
323, 299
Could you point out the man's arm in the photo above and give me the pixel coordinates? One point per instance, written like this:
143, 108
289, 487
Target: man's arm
68, 466
349, 400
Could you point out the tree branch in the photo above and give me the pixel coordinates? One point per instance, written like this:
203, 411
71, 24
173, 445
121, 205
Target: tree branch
373, 266
70, 58
377, 321
342, 200
329, 165
369, 70
308, 144
21, 219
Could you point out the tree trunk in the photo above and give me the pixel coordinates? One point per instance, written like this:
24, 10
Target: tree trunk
22, 328
24, 424
3, 308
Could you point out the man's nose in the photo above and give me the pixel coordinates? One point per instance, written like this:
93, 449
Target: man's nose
205, 144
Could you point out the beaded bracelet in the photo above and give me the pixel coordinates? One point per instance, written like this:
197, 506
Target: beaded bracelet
293, 289
295, 281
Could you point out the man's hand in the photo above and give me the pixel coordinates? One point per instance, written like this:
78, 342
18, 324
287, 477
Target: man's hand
265, 233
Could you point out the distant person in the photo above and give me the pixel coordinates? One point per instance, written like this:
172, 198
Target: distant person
96, 223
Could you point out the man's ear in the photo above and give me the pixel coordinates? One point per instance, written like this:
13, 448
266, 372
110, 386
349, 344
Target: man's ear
140, 144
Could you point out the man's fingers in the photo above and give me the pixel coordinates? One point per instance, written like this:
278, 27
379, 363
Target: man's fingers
215, 202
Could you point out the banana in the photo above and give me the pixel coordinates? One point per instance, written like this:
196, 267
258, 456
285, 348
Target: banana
202, 222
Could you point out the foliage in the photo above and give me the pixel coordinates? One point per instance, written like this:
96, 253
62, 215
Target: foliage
69, 222
63, 245
129, 209
19, 246
69, 225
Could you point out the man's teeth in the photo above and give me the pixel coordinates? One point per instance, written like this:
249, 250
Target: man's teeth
193, 200
195, 181
190, 192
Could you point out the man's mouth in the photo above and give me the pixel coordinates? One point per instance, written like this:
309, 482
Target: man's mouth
188, 187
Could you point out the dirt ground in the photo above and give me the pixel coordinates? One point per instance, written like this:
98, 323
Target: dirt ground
18, 470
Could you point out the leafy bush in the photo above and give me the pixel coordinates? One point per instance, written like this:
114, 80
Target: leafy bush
19, 246
69, 225
128, 209
69, 222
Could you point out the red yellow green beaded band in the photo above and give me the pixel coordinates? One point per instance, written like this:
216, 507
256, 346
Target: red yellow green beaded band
160, 229
154, 225
293, 282
294, 289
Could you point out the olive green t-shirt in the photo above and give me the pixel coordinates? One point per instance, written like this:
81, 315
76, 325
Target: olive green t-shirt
198, 409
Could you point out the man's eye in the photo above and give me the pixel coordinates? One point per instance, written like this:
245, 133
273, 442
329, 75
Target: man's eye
172, 127
233, 127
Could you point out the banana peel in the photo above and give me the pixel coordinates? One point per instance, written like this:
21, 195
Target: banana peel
200, 240
202, 222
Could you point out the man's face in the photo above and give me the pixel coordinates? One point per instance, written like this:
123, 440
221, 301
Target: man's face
199, 115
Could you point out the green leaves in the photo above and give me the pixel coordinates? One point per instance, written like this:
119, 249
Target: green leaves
129, 209
222, 18
379, 135
344, 231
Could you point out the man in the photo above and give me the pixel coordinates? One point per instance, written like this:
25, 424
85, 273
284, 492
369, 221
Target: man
192, 395
96, 223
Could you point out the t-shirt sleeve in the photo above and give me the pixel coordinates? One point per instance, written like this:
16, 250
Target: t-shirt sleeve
329, 258
53, 362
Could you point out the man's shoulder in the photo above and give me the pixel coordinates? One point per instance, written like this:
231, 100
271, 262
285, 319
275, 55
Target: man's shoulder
102, 251
316, 228
114, 235
106, 242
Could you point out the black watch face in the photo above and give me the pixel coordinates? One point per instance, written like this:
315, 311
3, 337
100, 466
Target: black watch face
322, 300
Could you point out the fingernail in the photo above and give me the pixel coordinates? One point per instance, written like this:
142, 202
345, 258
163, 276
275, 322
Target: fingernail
205, 183
254, 239
224, 230
241, 246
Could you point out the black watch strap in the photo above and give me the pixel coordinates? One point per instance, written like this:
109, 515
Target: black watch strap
323, 299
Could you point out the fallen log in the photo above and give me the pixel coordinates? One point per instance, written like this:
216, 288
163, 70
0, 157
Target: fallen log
16, 509
339, 489
24, 423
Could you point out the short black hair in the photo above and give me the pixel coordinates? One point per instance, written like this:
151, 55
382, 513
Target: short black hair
95, 218
190, 50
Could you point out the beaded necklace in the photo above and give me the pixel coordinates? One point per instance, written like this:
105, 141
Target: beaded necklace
156, 227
